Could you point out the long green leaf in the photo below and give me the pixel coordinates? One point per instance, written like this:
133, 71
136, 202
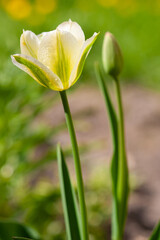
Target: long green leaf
21, 238
70, 208
122, 182
156, 233
114, 163
10, 229
113, 123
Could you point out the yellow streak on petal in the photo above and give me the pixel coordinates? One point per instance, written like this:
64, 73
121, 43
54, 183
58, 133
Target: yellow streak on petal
37, 71
29, 44
63, 63
59, 51
78, 67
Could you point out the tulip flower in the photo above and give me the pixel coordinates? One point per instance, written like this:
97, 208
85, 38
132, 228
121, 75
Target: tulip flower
54, 59
112, 64
111, 55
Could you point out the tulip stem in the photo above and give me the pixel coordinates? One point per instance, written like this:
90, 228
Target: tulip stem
120, 111
80, 187
123, 185
114, 161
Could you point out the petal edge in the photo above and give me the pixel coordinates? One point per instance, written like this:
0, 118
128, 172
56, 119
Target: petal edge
37, 71
77, 70
74, 28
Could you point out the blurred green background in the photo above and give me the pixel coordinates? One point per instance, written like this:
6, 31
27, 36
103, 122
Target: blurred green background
25, 194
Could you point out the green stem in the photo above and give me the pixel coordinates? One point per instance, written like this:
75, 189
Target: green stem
114, 162
123, 187
120, 111
77, 164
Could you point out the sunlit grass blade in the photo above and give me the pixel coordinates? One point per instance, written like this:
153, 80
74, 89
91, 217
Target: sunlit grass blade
114, 163
71, 212
156, 233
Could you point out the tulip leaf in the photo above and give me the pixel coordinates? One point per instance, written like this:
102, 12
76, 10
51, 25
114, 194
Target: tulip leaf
114, 163
70, 207
113, 123
119, 169
10, 229
21, 238
156, 233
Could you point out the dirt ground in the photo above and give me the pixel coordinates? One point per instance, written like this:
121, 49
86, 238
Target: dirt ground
142, 128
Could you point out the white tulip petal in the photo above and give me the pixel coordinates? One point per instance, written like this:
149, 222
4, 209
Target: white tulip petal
54, 59
37, 71
76, 72
41, 35
74, 28
58, 51
47, 53
68, 49
29, 44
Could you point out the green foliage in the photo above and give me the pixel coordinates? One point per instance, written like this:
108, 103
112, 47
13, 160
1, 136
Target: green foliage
10, 229
21, 238
70, 207
156, 233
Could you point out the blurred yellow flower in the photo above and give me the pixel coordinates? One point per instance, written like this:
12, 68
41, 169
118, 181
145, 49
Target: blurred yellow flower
108, 3
124, 7
127, 7
45, 7
157, 7
18, 9
54, 59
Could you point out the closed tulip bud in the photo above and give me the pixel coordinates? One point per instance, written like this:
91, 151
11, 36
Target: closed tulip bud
111, 56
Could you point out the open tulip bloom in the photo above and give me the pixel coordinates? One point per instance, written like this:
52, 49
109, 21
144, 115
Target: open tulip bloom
54, 59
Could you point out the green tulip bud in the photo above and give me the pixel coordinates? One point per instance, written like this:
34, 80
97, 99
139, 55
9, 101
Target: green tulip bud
111, 55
